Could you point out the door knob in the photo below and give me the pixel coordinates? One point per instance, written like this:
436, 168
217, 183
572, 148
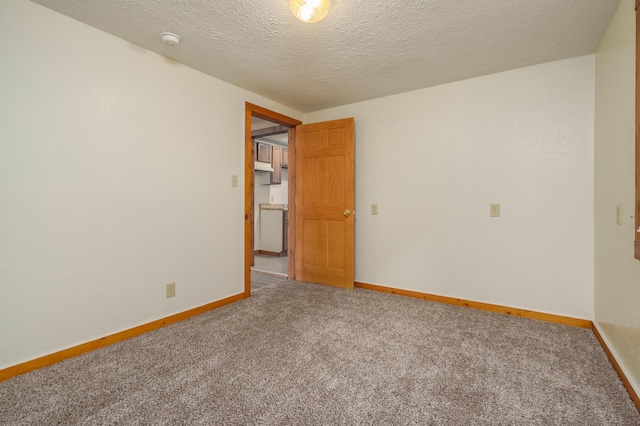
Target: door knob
347, 213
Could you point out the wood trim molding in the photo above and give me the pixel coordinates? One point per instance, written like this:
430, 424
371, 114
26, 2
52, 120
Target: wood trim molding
540, 316
291, 246
74, 351
269, 115
616, 366
249, 185
271, 253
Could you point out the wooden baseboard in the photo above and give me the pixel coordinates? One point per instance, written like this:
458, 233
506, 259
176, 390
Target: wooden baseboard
616, 366
558, 319
74, 351
271, 253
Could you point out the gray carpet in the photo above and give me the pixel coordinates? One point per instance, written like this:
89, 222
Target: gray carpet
304, 354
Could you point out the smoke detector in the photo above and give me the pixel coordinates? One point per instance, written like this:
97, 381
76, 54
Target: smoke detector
170, 39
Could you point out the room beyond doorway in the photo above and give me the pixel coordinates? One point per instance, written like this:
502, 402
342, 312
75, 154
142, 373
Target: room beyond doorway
271, 265
270, 201
268, 250
268, 270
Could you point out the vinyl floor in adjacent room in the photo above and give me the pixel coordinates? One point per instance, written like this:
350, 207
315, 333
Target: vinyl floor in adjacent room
260, 280
268, 270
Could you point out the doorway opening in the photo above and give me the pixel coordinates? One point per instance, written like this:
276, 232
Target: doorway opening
270, 203
269, 185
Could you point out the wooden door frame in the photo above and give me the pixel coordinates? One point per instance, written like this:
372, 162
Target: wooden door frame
252, 110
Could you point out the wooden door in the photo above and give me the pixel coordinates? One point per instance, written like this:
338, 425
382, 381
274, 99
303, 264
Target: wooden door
324, 219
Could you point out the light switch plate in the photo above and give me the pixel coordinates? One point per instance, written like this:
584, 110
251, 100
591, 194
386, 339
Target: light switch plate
374, 209
234, 181
494, 210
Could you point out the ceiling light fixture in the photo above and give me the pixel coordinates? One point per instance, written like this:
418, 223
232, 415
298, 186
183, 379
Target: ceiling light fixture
310, 10
170, 39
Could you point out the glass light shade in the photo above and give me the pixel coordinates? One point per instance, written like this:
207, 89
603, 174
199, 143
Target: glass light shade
310, 10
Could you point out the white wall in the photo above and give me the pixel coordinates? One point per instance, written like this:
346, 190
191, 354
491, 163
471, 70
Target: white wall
279, 194
434, 160
265, 193
617, 273
115, 179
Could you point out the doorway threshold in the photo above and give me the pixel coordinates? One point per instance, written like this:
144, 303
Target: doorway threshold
271, 273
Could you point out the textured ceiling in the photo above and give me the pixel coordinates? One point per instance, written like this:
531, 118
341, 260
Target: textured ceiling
364, 49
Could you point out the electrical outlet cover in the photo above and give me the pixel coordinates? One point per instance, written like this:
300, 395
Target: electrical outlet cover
171, 290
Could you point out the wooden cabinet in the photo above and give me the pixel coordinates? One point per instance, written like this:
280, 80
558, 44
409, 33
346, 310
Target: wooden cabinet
285, 232
275, 155
276, 163
263, 152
